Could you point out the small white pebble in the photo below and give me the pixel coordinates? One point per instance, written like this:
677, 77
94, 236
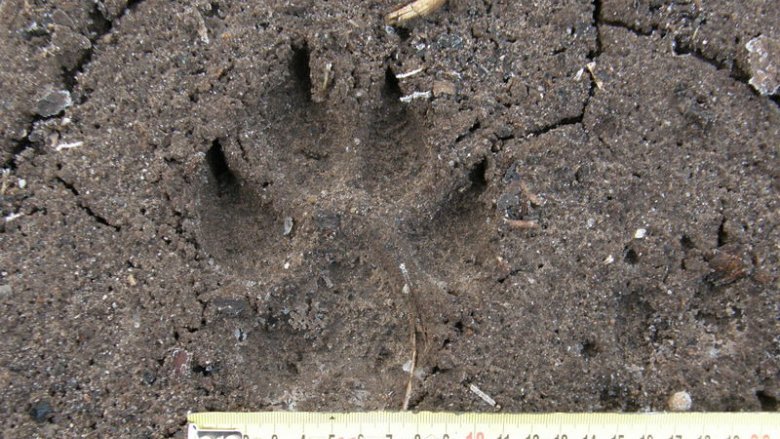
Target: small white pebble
680, 402
408, 74
609, 259
22, 183
640, 233
591, 222
713, 352
288, 225
415, 95
482, 395
12, 217
63, 146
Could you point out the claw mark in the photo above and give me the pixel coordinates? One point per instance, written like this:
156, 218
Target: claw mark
419, 8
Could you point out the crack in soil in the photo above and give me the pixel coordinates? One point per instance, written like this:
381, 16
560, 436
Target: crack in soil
567, 121
682, 48
100, 219
595, 21
592, 56
679, 47
102, 26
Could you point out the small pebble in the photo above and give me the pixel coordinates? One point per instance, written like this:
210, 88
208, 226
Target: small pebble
230, 307
328, 221
22, 183
442, 88
288, 225
764, 62
53, 102
41, 411
180, 362
680, 402
640, 233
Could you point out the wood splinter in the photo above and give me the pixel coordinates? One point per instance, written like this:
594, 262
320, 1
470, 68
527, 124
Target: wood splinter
522, 224
419, 8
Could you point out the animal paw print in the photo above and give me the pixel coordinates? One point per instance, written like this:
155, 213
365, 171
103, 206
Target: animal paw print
321, 209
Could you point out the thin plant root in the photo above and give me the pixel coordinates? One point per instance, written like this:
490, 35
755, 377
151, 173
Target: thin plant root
413, 365
419, 8
407, 291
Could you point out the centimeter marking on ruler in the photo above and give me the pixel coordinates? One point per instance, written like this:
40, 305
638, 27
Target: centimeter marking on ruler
427, 425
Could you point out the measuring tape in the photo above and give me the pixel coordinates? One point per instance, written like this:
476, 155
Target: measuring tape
427, 425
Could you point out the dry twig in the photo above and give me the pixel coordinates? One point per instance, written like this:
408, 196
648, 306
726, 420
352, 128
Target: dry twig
419, 8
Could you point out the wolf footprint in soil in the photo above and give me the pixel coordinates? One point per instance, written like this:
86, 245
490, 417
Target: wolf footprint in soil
319, 208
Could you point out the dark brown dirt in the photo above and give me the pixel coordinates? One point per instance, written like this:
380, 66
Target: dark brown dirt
144, 270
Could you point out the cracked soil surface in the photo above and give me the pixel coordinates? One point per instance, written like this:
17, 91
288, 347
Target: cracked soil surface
236, 210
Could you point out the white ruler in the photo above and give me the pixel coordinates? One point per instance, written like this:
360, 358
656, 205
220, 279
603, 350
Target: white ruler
427, 425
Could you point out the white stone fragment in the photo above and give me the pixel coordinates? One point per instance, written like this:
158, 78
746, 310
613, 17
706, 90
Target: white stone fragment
482, 395
408, 74
63, 146
416, 95
288, 225
12, 217
764, 61
680, 402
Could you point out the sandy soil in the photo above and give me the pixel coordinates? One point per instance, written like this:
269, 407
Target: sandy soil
224, 205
